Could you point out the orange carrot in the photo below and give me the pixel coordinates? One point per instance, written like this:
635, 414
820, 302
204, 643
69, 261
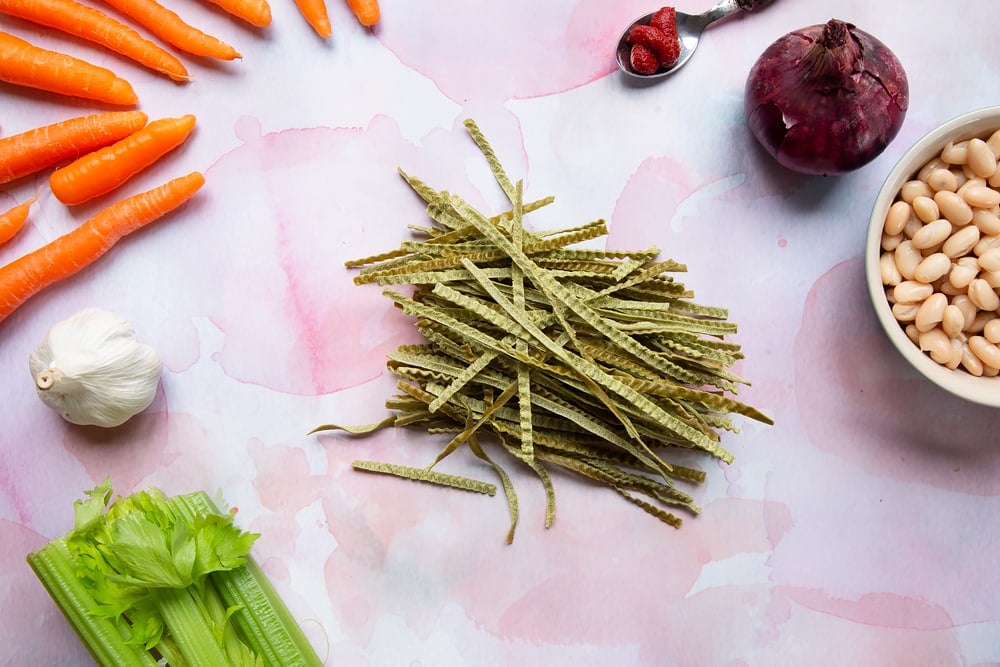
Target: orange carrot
314, 12
13, 220
106, 169
367, 11
29, 152
255, 12
25, 64
172, 29
87, 23
65, 256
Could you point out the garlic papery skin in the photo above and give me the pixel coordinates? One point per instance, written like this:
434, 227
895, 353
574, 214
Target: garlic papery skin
93, 370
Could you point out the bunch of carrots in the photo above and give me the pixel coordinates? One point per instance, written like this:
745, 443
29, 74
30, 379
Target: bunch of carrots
25, 64
93, 155
105, 151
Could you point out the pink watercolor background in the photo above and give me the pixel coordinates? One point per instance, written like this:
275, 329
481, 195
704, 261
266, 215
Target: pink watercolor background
859, 530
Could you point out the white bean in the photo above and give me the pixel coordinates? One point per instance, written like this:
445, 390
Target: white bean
913, 189
980, 158
913, 225
931, 165
932, 234
942, 179
987, 221
907, 258
971, 362
979, 322
987, 352
890, 272
994, 143
956, 354
890, 242
911, 332
948, 289
952, 207
937, 343
968, 309
905, 312
932, 267
896, 218
992, 331
980, 293
961, 242
926, 209
969, 183
931, 312
990, 260
992, 278
981, 197
911, 291
961, 275
986, 243
952, 321
955, 153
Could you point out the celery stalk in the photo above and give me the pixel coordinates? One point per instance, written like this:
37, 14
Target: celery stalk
148, 580
188, 626
54, 568
263, 620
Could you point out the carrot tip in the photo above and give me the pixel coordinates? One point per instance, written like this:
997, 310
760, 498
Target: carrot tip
122, 93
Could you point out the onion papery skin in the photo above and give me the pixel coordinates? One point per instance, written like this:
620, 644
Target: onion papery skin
826, 99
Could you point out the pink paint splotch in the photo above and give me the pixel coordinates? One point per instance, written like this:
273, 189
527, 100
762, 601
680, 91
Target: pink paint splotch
285, 212
881, 399
391, 560
564, 45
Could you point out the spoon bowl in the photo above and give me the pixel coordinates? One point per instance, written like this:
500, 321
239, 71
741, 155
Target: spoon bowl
689, 29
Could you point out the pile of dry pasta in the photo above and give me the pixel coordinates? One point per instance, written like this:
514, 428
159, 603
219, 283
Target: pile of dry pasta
596, 361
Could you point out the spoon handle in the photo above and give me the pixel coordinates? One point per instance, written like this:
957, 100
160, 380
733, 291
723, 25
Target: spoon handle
726, 8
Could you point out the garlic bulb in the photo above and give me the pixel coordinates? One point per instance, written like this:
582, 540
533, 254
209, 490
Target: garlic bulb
91, 368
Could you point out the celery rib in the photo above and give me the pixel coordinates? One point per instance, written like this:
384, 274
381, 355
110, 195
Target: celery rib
104, 640
263, 619
187, 626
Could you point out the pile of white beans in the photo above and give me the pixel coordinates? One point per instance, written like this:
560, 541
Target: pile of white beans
940, 261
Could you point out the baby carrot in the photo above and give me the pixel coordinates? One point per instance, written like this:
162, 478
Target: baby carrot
367, 11
29, 152
255, 12
172, 29
106, 169
65, 256
93, 25
13, 220
25, 64
314, 12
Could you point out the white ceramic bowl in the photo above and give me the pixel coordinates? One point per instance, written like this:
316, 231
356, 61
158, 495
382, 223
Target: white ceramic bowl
981, 390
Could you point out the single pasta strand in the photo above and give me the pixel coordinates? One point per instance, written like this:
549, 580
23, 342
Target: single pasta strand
429, 476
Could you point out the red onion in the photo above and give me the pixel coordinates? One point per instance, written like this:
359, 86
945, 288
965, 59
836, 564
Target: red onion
826, 99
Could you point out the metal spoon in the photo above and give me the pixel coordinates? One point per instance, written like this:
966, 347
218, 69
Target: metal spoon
689, 29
